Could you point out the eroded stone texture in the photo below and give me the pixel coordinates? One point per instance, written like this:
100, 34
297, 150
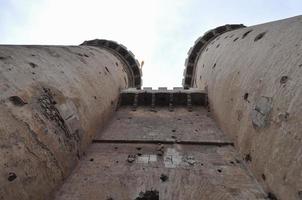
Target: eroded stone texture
53, 99
261, 113
129, 170
255, 91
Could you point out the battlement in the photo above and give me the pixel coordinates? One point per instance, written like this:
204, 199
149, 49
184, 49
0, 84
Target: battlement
163, 97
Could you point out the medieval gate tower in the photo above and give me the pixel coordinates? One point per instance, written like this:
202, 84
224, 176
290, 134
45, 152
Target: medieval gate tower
76, 124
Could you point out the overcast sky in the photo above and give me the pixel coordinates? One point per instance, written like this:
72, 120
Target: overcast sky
160, 32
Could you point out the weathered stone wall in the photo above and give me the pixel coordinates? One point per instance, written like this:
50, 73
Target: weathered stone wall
253, 77
52, 101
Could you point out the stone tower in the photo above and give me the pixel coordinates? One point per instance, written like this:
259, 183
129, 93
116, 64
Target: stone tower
76, 124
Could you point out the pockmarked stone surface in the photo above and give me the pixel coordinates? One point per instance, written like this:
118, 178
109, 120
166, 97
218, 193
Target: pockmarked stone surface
216, 173
155, 144
163, 125
126, 169
253, 78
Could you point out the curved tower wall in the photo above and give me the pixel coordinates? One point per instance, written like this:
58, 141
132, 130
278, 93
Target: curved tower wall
253, 77
53, 99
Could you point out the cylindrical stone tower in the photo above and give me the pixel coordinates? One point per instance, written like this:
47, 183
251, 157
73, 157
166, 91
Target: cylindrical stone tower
253, 77
53, 100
